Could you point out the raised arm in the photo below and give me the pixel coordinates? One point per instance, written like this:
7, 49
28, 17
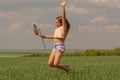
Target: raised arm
64, 14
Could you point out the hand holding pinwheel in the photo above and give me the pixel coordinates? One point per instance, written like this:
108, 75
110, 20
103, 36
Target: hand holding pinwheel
36, 30
38, 33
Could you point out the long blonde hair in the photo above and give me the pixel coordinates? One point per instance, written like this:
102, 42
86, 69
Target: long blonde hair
59, 18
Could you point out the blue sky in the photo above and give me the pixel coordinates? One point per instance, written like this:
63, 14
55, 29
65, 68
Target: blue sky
94, 23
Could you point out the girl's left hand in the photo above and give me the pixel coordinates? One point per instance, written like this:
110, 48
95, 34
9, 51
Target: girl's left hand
63, 3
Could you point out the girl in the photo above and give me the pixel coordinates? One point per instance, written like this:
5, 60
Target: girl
59, 37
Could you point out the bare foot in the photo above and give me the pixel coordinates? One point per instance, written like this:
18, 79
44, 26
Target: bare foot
67, 68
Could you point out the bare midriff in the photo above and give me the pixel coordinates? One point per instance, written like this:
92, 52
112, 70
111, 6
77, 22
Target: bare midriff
58, 40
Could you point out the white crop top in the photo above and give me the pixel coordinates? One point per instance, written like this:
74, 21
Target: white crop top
59, 32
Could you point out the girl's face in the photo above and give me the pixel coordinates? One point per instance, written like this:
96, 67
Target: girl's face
58, 24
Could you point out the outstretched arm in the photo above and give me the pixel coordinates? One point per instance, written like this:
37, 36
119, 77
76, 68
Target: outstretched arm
47, 37
64, 14
43, 36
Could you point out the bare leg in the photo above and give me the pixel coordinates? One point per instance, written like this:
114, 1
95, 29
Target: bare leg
58, 56
51, 59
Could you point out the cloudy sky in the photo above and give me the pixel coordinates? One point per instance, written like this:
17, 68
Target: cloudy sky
94, 23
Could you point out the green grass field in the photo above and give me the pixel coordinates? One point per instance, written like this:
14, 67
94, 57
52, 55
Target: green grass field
82, 68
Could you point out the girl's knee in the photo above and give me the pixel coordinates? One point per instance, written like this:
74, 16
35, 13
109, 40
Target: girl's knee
50, 65
56, 64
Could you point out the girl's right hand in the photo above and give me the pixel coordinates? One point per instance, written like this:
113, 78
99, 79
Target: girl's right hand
42, 36
37, 32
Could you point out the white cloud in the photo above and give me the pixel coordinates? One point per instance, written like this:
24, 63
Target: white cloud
86, 28
29, 31
14, 27
102, 18
45, 25
80, 11
110, 28
53, 9
8, 15
110, 3
23, 13
16, 1
47, 28
99, 1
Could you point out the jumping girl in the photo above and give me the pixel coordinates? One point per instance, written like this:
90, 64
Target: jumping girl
58, 37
